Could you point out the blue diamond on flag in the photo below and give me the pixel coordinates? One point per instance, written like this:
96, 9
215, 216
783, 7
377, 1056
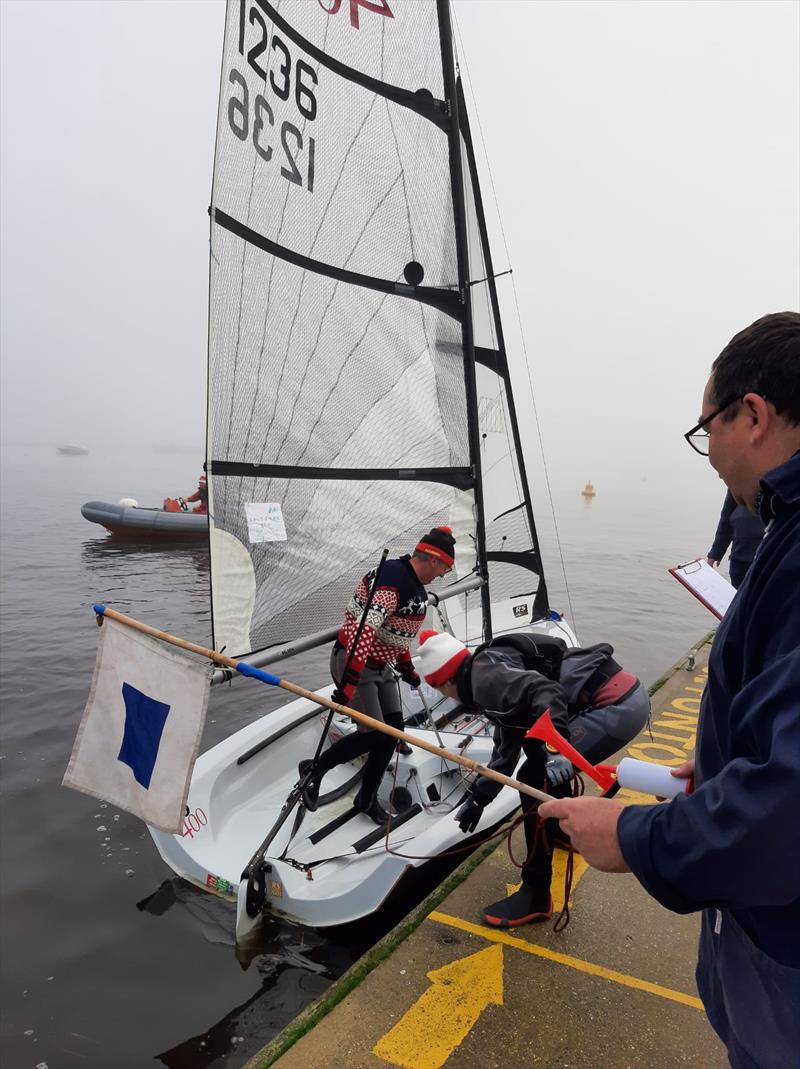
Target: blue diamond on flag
144, 723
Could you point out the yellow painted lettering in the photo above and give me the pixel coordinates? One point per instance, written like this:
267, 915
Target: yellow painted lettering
686, 705
676, 720
655, 752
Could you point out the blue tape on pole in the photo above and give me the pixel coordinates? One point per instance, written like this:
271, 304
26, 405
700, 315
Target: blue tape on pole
99, 609
258, 673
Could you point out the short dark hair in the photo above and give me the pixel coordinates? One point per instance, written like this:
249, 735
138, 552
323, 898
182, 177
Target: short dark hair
763, 358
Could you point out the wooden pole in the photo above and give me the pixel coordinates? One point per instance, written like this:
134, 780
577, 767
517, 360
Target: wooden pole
301, 692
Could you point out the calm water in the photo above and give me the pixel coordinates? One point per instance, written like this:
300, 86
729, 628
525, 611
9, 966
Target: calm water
106, 959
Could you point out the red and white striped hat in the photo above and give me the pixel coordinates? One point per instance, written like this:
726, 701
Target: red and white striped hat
439, 655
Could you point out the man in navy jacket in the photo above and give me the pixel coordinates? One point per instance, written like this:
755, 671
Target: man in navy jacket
740, 529
732, 847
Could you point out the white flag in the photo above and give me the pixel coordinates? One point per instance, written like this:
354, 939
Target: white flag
141, 729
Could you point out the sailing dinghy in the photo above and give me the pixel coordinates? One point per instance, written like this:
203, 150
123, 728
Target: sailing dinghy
359, 394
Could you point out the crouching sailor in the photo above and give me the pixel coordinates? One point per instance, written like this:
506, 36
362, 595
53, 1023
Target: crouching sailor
513, 680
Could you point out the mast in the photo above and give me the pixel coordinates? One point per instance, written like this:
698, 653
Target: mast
468, 344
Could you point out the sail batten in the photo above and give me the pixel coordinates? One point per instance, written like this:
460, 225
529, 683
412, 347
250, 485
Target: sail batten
420, 100
447, 300
461, 478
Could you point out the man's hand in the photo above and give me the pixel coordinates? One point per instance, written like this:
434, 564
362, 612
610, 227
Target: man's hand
685, 771
712, 562
591, 824
470, 813
409, 674
339, 697
558, 770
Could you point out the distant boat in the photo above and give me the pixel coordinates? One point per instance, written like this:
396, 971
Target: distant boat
72, 450
588, 490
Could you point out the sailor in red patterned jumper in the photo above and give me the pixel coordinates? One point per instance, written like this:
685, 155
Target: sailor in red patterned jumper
370, 686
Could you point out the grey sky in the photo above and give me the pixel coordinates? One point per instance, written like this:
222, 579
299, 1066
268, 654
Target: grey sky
646, 158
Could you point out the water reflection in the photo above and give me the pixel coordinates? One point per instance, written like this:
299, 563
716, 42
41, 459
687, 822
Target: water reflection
295, 965
120, 550
249, 1026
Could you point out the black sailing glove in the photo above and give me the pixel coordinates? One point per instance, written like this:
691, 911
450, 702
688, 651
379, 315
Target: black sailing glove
558, 770
339, 697
409, 674
470, 813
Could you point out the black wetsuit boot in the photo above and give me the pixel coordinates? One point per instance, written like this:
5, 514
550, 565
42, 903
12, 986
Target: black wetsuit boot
380, 754
345, 749
532, 902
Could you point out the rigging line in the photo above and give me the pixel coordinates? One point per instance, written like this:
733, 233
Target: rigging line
336, 381
523, 491
493, 466
544, 459
396, 146
374, 314
495, 276
522, 336
304, 273
308, 365
365, 492
268, 488
241, 277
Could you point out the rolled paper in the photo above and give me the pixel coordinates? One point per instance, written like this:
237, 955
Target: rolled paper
648, 778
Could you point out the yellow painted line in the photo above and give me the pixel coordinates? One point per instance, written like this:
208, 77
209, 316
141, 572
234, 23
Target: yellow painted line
557, 883
495, 935
443, 1016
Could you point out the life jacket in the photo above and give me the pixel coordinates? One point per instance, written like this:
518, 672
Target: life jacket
173, 504
587, 674
540, 653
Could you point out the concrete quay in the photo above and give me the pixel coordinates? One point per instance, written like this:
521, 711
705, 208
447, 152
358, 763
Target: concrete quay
615, 988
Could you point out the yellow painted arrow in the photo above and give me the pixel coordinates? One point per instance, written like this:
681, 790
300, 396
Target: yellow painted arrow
441, 1018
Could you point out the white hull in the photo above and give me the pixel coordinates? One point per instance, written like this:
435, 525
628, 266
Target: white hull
349, 880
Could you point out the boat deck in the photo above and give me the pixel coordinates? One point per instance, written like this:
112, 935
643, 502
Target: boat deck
616, 988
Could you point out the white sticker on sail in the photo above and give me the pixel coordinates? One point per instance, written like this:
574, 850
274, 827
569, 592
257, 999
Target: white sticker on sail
265, 521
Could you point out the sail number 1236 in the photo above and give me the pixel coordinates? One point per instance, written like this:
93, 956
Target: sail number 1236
270, 58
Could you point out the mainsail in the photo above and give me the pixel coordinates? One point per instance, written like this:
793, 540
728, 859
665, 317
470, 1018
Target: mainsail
358, 383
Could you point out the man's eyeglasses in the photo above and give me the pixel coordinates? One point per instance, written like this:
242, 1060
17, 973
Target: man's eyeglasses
697, 437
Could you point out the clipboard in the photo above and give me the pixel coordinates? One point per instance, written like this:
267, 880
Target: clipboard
707, 585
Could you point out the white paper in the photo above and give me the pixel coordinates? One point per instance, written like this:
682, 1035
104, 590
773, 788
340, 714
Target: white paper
707, 584
265, 521
649, 778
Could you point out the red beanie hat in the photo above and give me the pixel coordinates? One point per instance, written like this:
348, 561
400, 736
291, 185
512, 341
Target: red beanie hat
439, 656
438, 542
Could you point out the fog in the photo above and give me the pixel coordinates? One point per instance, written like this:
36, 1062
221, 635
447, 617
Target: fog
646, 164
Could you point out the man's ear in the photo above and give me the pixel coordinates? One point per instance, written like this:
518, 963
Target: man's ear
759, 415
